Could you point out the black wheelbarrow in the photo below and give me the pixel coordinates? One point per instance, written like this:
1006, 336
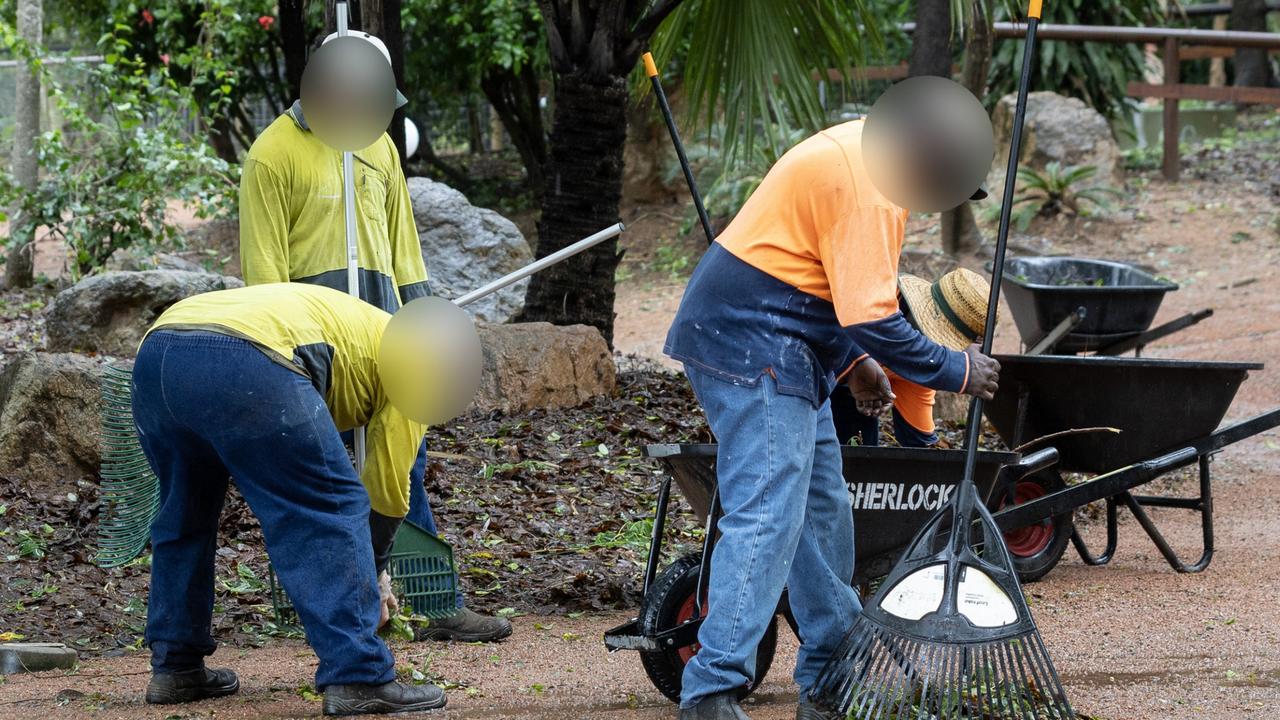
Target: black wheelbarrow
892, 491
1163, 409
1066, 305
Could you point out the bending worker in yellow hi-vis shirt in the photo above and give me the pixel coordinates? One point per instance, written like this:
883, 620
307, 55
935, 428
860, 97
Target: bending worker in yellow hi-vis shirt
255, 383
292, 230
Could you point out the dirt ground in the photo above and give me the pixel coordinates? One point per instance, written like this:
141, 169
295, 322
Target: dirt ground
1133, 641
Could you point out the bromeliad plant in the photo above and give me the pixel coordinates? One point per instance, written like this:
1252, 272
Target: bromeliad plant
1056, 191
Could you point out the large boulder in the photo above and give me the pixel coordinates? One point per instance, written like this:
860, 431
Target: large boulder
540, 365
1058, 128
110, 313
49, 406
465, 247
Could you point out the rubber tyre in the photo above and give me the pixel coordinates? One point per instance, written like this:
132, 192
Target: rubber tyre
1038, 548
670, 602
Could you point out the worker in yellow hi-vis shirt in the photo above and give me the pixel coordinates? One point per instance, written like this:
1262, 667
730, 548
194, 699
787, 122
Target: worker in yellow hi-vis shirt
292, 230
256, 383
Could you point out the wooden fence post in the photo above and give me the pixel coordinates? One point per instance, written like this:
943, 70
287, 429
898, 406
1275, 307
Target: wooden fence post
1172, 72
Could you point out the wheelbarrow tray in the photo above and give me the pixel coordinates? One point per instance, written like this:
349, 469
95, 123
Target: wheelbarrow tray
894, 491
1120, 300
1158, 405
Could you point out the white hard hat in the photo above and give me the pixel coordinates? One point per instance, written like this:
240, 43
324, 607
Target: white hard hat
411, 138
373, 40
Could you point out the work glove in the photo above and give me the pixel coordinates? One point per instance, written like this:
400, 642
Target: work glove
984, 374
390, 605
870, 387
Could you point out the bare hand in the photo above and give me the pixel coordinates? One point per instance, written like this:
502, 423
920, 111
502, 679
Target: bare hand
388, 599
984, 374
870, 388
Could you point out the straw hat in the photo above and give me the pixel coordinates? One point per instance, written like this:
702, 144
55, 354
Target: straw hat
951, 311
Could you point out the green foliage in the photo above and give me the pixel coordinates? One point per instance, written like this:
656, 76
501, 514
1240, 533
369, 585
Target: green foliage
122, 152
1057, 190
751, 62
1097, 73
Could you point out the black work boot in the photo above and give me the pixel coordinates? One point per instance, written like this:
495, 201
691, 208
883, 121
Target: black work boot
190, 685
392, 697
723, 706
466, 626
808, 710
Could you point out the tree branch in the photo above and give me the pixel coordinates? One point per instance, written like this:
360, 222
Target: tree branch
555, 43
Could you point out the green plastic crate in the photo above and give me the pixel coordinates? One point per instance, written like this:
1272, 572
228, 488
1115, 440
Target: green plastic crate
422, 574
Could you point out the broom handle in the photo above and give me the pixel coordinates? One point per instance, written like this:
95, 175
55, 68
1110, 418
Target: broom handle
974, 428
651, 69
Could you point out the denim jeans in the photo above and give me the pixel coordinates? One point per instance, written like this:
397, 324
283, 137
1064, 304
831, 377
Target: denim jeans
787, 523
210, 406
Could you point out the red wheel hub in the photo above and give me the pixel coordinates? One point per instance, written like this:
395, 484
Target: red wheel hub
1031, 540
687, 612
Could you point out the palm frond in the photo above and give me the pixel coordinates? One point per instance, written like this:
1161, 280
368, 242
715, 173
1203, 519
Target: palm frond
752, 62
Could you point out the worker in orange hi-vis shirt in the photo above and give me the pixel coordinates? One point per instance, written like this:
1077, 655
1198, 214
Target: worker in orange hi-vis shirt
799, 293
953, 313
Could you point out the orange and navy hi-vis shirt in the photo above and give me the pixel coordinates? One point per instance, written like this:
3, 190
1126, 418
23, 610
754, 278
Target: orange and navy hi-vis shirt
803, 282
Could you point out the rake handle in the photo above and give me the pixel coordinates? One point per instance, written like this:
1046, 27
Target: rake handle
974, 428
651, 69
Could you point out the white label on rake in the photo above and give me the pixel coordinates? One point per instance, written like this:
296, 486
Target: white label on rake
919, 593
982, 601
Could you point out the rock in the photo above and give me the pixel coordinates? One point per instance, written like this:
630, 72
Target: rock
950, 408
1058, 128
465, 247
49, 406
540, 365
109, 313
34, 657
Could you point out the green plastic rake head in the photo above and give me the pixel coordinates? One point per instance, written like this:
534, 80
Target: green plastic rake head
130, 490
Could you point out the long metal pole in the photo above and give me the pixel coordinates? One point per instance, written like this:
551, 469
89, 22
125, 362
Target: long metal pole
542, 264
353, 250
651, 69
974, 429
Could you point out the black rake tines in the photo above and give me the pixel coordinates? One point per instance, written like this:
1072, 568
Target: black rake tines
884, 676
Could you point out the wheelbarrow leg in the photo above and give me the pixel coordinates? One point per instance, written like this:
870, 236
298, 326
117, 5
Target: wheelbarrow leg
708, 545
655, 540
1202, 504
1113, 536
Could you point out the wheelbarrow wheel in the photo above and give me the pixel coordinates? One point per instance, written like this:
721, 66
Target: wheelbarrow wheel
1037, 548
669, 603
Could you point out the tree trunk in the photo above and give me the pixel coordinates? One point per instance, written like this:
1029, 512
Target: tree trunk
293, 36
583, 191
959, 228
514, 96
1252, 65
931, 42
20, 264
381, 18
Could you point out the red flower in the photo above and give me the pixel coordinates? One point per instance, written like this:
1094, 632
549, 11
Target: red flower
165, 58
266, 21
147, 17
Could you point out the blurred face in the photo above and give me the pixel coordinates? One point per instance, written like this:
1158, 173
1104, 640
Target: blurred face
430, 360
348, 93
927, 144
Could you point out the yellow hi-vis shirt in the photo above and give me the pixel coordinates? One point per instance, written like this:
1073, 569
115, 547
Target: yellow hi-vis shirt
292, 225
331, 338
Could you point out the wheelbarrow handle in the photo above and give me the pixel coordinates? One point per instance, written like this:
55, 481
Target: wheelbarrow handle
1035, 462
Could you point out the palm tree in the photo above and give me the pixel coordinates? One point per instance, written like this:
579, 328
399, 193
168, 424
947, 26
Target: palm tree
751, 62
20, 265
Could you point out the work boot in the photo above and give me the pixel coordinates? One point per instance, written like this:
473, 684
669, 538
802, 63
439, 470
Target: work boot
808, 710
190, 685
723, 706
392, 697
466, 626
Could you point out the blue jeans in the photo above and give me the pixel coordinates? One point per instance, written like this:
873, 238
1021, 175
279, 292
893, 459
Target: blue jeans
208, 406
787, 523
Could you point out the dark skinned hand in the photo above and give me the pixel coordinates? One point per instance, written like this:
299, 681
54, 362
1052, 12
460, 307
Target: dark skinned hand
984, 374
870, 387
